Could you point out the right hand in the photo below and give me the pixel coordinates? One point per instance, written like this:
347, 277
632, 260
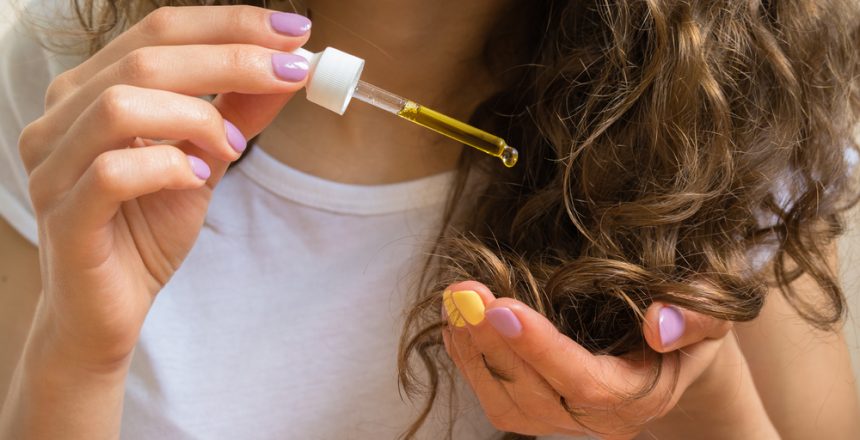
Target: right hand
115, 223
531, 379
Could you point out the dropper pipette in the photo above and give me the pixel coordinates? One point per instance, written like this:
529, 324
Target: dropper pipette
438, 122
334, 81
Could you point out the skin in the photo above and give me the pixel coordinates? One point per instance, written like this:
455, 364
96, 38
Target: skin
803, 374
364, 146
112, 234
527, 400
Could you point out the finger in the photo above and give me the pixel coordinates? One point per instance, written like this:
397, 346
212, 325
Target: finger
472, 297
124, 113
211, 25
598, 390
117, 176
648, 396
677, 374
535, 398
695, 359
566, 366
250, 114
669, 327
498, 406
612, 396
195, 70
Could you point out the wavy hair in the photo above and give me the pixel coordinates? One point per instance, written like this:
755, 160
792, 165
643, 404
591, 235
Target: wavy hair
684, 151
694, 153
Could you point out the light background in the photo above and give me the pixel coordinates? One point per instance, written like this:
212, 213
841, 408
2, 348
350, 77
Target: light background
849, 246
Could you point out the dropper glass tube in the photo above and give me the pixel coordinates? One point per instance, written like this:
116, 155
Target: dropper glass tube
445, 125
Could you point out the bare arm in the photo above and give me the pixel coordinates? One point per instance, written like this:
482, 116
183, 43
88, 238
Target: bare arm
20, 283
19, 293
115, 223
31, 388
803, 375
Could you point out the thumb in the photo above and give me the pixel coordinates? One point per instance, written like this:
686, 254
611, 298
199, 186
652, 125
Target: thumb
668, 327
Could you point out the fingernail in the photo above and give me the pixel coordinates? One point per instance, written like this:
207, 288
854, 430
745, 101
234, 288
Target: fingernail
290, 67
199, 167
470, 305
505, 322
671, 325
234, 137
454, 316
294, 25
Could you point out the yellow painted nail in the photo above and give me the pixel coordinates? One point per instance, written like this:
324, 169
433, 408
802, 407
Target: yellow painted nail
454, 316
470, 305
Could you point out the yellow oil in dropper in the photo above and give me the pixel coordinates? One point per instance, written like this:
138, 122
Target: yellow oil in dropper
448, 126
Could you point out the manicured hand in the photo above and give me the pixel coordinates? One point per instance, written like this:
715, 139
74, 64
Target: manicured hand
118, 204
532, 379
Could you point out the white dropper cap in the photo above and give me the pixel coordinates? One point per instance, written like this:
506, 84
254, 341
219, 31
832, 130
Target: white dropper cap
332, 77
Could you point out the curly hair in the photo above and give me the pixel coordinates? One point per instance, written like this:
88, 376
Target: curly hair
690, 152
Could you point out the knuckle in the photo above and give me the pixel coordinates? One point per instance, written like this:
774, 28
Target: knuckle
239, 59
29, 143
59, 88
106, 171
114, 104
160, 21
206, 115
244, 17
139, 64
174, 158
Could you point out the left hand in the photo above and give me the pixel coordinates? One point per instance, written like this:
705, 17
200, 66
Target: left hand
532, 379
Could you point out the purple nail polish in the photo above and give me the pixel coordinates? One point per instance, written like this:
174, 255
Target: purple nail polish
290, 67
504, 321
234, 137
294, 25
199, 167
671, 325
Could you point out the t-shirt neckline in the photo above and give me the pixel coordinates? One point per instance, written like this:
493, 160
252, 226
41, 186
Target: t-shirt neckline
344, 198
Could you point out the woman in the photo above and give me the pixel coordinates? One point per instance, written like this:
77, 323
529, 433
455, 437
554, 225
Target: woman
280, 322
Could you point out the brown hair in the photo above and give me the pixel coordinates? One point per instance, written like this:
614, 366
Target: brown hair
670, 150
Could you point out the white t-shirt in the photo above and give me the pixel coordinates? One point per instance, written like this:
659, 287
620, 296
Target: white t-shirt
283, 322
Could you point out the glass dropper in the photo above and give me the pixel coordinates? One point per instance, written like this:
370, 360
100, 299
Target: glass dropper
445, 125
334, 79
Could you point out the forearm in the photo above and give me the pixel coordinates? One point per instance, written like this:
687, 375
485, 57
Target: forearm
52, 397
723, 404
803, 374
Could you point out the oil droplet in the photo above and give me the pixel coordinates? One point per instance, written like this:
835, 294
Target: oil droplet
509, 156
